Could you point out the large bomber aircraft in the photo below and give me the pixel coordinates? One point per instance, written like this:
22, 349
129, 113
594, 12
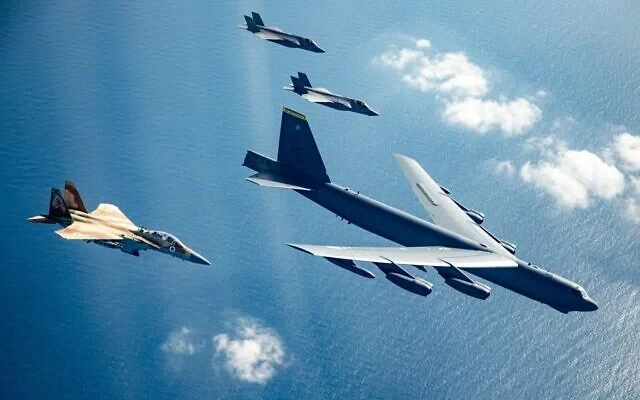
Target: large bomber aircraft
301, 85
107, 226
256, 26
455, 244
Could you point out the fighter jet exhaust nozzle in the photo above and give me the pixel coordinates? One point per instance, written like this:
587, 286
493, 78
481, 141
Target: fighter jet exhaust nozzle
473, 289
414, 285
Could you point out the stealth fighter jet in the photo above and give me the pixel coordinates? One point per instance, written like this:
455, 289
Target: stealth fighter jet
107, 226
301, 85
256, 25
456, 245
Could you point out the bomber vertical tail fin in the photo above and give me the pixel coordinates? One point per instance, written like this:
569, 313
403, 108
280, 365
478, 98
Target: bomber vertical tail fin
297, 147
299, 165
72, 197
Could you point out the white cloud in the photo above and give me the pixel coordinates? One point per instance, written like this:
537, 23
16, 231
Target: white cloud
511, 117
504, 168
461, 86
179, 343
572, 177
627, 147
423, 43
632, 210
253, 353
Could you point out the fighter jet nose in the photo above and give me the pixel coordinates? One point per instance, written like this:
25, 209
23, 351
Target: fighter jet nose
591, 305
198, 259
319, 50
373, 113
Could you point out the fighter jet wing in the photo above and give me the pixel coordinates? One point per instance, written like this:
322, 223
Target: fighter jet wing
441, 208
267, 35
112, 214
423, 256
88, 231
315, 97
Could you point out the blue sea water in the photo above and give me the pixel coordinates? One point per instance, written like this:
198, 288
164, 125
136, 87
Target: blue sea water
151, 106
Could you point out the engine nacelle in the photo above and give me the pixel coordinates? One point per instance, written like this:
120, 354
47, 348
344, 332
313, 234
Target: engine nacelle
351, 266
473, 289
414, 285
511, 248
476, 216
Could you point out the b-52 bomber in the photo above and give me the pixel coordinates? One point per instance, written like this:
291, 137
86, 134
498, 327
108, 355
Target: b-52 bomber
455, 244
301, 86
256, 26
107, 226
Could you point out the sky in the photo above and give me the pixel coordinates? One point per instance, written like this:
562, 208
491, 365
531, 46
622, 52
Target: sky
526, 112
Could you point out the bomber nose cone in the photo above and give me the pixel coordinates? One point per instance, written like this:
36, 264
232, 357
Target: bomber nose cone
591, 305
198, 259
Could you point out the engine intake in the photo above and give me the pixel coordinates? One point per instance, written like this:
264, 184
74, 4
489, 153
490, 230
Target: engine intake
476, 216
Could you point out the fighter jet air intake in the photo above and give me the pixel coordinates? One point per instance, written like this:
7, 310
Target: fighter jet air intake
455, 244
107, 226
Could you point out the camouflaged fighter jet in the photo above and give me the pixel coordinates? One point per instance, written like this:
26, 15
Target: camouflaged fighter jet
107, 226
301, 86
276, 35
455, 244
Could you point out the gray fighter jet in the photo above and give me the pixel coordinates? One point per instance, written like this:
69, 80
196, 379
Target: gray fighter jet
301, 85
456, 245
107, 226
271, 33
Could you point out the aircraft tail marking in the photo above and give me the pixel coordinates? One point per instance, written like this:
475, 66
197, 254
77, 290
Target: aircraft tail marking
57, 206
72, 197
297, 148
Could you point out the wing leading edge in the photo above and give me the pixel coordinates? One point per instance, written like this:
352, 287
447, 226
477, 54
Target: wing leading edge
422, 256
441, 208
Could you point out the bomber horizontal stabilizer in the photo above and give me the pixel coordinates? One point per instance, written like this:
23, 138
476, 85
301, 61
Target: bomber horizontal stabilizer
262, 179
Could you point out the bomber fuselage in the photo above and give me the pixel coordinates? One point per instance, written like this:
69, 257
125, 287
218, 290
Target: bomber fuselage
407, 230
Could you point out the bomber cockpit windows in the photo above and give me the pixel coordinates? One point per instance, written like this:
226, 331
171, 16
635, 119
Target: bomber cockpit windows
579, 291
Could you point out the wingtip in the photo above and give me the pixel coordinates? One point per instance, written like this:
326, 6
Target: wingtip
299, 247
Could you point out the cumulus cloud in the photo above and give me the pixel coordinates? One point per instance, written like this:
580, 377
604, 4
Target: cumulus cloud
627, 147
632, 210
462, 87
511, 117
252, 352
504, 167
423, 43
572, 177
179, 342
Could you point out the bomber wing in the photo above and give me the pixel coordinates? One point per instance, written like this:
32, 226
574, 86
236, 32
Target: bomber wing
113, 216
442, 209
422, 256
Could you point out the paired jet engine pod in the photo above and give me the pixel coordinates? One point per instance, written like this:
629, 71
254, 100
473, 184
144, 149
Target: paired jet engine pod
414, 285
511, 248
476, 216
473, 289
